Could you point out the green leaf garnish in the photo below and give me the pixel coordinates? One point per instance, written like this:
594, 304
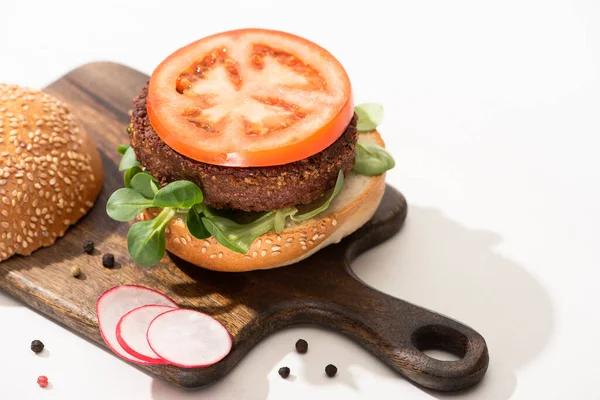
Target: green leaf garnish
178, 194
129, 174
339, 184
125, 204
128, 160
369, 116
154, 186
194, 223
141, 182
122, 148
372, 159
280, 217
235, 236
146, 239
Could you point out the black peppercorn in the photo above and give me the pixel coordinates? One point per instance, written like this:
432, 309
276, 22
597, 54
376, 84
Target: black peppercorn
88, 246
37, 346
284, 372
301, 346
331, 370
108, 260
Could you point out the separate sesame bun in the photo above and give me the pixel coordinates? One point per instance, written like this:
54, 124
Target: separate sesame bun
50, 171
350, 210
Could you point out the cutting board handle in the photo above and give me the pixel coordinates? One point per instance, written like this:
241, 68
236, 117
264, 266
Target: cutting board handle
397, 332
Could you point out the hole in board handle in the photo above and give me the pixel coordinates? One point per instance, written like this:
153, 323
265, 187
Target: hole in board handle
440, 342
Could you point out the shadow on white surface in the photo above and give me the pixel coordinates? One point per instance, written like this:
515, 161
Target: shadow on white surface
7, 301
454, 270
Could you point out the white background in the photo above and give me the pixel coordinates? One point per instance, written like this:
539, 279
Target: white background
492, 113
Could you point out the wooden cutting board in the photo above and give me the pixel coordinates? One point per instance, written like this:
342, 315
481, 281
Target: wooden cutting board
321, 290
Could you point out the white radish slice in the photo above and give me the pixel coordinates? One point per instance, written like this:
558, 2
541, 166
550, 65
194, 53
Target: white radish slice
188, 338
132, 328
118, 301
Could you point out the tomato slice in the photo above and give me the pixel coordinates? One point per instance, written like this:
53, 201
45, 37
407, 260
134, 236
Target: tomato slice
250, 98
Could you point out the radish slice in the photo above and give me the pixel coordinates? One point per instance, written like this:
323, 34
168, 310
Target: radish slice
132, 328
118, 301
188, 338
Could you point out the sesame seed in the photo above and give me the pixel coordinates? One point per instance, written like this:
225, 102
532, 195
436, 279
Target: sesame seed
275, 253
263, 253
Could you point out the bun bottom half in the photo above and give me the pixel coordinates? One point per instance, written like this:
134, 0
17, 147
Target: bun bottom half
351, 209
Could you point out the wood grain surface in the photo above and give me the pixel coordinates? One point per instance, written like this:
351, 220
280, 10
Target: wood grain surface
321, 290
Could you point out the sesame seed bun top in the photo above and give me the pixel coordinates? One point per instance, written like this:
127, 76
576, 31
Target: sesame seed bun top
50, 171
